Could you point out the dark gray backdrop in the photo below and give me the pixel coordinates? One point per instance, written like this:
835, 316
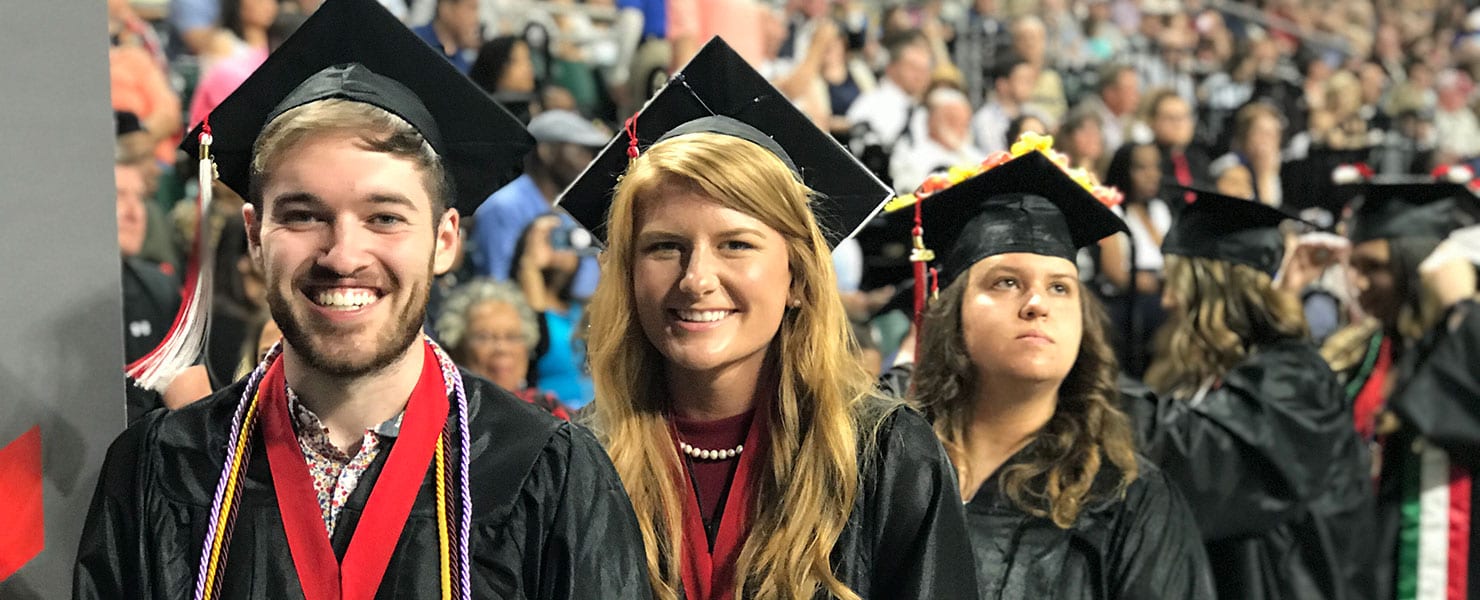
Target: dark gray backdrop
60, 318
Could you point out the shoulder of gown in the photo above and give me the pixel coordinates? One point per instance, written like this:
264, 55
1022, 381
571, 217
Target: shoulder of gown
1437, 395
907, 537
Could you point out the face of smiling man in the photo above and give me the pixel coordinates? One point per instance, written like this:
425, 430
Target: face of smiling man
349, 245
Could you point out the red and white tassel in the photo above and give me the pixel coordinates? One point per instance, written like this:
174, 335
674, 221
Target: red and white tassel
185, 343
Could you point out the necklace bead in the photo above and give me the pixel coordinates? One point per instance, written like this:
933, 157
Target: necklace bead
703, 454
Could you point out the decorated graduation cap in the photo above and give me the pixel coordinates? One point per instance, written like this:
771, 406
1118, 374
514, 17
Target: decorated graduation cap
352, 50
1409, 207
1027, 204
718, 92
1025, 200
1229, 229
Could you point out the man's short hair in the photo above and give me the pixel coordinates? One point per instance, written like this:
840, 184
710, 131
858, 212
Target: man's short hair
378, 130
896, 43
1004, 66
1110, 74
945, 95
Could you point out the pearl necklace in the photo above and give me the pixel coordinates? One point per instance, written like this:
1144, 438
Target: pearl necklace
702, 454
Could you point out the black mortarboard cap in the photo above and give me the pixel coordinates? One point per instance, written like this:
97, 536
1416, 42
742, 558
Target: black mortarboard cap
1229, 229
356, 50
1027, 204
1410, 207
718, 92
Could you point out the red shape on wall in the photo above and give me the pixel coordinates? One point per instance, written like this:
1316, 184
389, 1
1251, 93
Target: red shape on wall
22, 528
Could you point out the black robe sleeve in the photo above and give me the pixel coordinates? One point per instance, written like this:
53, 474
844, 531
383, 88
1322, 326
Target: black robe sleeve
908, 522
110, 560
590, 540
1158, 552
550, 519
1440, 397
1254, 451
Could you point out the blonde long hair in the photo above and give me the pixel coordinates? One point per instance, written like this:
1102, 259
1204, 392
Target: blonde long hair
1055, 479
807, 491
1227, 309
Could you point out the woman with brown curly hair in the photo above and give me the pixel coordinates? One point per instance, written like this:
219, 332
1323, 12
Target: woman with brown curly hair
1252, 426
1016, 372
729, 390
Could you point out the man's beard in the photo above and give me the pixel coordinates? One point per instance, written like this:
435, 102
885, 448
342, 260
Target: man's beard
319, 350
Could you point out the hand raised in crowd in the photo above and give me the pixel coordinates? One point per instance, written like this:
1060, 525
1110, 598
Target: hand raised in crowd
1311, 255
1448, 274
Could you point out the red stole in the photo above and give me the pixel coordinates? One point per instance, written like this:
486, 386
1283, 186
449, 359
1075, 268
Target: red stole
711, 575
1369, 401
322, 576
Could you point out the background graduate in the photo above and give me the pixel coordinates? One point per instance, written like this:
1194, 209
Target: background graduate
1251, 423
729, 390
1412, 383
357, 461
1015, 370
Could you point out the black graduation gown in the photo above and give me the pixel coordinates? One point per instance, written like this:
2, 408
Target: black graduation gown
150, 300
550, 517
1276, 476
906, 537
1437, 401
1142, 546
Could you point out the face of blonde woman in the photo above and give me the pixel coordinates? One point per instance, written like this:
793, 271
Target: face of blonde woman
711, 284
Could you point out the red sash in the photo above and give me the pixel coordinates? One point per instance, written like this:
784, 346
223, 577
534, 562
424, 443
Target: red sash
1370, 401
319, 572
711, 576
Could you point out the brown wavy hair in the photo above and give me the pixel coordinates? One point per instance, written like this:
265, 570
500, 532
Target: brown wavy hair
825, 407
1056, 477
1226, 310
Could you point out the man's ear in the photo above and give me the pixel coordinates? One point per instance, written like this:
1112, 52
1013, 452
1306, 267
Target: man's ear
252, 221
448, 243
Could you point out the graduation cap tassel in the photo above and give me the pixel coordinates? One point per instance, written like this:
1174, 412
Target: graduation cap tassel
185, 342
919, 256
631, 127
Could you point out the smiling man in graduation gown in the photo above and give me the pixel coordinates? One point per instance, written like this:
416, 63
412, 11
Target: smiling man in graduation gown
357, 461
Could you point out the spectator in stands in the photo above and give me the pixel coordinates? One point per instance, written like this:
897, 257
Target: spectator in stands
1013, 82
150, 297
1251, 169
565, 144
1461, 139
489, 329
1105, 39
947, 143
1029, 42
226, 74
455, 31
139, 85
1135, 170
1172, 129
244, 27
1081, 139
1024, 123
1117, 95
505, 69
890, 110
1340, 125
847, 77
196, 22
546, 269
1376, 94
